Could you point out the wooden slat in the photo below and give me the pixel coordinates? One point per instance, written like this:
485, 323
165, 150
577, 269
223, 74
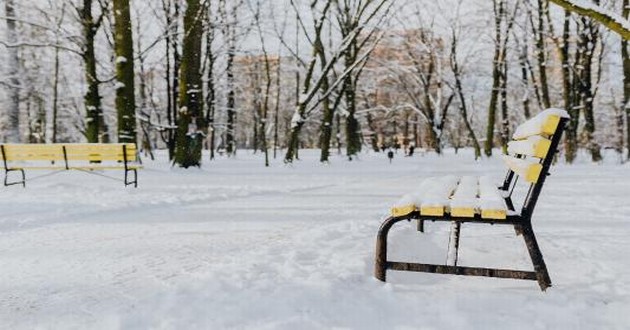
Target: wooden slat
33, 152
74, 152
411, 202
528, 170
534, 146
491, 202
100, 152
464, 200
436, 197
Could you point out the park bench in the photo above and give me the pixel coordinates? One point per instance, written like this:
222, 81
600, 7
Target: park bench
476, 200
56, 157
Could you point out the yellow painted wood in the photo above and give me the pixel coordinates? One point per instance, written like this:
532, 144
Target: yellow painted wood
32, 152
541, 148
533, 173
533, 127
550, 125
436, 211
107, 167
494, 214
400, 211
463, 212
527, 170
74, 152
534, 146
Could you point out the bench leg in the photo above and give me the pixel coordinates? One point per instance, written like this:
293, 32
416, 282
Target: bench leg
420, 226
6, 178
380, 263
542, 276
453, 248
135, 178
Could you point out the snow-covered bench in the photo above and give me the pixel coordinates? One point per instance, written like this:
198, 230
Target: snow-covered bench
477, 200
85, 157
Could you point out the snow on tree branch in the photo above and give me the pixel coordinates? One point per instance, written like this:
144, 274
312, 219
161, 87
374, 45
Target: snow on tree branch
612, 21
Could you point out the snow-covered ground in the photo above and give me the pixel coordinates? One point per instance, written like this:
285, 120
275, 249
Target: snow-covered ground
237, 245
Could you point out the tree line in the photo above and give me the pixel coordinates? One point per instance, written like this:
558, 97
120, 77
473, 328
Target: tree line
279, 76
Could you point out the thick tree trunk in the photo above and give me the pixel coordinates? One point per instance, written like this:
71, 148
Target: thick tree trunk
191, 120
11, 130
625, 57
96, 130
125, 89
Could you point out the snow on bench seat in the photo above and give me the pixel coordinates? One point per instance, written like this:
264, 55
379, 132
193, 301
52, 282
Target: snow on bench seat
544, 123
491, 202
435, 198
464, 201
462, 197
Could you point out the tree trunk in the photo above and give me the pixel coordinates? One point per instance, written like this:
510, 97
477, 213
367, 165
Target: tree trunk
12, 129
541, 53
496, 78
125, 89
505, 116
589, 42
625, 57
191, 121
210, 86
570, 141
95, 131
231, 103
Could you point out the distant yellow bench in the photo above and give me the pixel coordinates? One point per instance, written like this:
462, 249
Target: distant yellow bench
70, 156
476, 200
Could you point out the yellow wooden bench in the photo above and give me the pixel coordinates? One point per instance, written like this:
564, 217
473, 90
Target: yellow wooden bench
476, 200
85, 157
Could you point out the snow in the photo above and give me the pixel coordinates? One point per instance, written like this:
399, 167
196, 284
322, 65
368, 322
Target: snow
237, 245
489, 196
533, 126
527, 146
466, 194
522, 167
439, 190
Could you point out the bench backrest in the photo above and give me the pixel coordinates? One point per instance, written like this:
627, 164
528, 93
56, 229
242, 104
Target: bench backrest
93, 152
531, 153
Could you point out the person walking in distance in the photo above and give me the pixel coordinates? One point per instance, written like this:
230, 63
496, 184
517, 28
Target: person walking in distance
390, 155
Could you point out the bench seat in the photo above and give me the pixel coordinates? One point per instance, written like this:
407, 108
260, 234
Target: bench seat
464, 197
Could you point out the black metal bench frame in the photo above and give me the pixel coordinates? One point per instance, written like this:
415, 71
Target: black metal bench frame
522, 224
8, 169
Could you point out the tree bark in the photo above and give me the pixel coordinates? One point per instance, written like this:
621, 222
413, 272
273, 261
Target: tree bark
496, 77
191, 121
96, 130
625, 57
11, 130
125, 89
541, 53
570, 145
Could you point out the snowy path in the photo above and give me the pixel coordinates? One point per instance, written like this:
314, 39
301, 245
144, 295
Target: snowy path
239, 246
